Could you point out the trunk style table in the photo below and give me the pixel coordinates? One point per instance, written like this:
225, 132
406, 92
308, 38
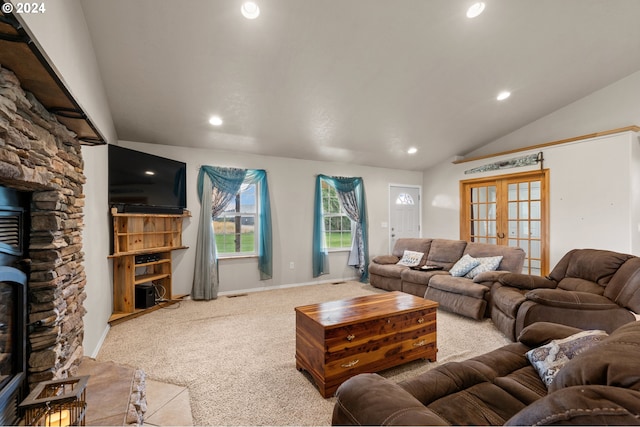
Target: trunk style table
339, 339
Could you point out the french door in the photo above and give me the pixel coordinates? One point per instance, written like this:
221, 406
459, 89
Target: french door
509, 210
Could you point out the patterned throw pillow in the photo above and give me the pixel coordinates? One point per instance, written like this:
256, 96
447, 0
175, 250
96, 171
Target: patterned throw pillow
550, 358
411, 258
463, 266
486, 264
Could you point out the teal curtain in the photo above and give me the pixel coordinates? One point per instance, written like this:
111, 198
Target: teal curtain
265, 240
319, 254
205, 275
353, 201
216, 188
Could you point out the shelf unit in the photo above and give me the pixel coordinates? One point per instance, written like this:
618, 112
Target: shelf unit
142, 247
136, 233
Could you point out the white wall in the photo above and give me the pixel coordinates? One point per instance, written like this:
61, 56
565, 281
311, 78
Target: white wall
593, 194
612, 107
291, 186
595, 185
95, 240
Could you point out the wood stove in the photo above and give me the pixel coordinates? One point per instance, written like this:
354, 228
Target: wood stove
14, 234
13, 349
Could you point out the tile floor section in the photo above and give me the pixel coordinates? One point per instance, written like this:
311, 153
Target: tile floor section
108, 392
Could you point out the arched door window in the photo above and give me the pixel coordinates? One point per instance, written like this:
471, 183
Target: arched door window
404, 199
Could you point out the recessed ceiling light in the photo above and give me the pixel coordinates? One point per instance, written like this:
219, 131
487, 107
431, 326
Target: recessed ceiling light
412, 150
215, 121
250, 10
150, 173
475, 9
503, 95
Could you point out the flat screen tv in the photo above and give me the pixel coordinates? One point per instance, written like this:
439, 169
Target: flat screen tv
144, 183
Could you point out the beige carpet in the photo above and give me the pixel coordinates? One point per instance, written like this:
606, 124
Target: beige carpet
237, 355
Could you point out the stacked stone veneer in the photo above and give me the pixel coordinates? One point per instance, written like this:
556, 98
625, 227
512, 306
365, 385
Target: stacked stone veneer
40, 155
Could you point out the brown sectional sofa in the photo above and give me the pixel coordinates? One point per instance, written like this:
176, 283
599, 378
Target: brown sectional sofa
468, 297
587, 289
600, 385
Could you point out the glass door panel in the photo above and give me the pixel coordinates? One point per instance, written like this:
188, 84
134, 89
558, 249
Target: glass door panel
483, 203
525, 221
509, 210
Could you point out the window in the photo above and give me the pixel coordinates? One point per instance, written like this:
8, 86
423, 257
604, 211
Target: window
235, 228
404, 199
337, 225
509, 210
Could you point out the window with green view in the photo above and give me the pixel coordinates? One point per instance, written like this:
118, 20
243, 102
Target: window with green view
337, 225
236, 228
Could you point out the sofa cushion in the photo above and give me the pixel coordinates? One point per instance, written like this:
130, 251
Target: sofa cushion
524, 384
445, 253
590, 405
486, 264
613, 362
464, 305
513, 257
458, 285
624, 287
568, 299
508, 299
549, 359
489, 276
595, 265
411, 258
364, 400
453, 377
387, 270
482, 404
420, 277
411, 244
463, 266
540, 333
581, 285
526, 281
385, 259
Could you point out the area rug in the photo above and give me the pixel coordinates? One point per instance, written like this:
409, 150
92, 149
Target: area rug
236, 354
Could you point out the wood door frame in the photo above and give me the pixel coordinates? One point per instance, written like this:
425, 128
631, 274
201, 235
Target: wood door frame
500, 182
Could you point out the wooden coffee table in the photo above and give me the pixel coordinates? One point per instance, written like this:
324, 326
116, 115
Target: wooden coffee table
339, 339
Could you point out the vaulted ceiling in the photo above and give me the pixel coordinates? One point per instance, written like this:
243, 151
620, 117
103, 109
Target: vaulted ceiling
357, 81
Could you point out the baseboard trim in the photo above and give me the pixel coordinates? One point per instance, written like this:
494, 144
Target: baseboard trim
290, 285
100, 342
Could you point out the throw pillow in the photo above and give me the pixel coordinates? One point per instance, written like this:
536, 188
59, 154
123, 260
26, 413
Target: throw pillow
486, 264
411, 258
550, 358
463, 266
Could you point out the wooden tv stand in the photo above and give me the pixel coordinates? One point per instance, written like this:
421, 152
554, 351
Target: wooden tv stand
142, 248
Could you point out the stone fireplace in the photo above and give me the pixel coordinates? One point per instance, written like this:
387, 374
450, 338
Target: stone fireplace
40, 156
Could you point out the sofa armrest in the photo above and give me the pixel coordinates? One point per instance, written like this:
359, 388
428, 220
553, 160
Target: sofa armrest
570, 299
526, 281
582, 405
386, 259
369, 399
490, 276
540, 333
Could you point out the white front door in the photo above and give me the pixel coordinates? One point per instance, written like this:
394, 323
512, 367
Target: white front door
404, 213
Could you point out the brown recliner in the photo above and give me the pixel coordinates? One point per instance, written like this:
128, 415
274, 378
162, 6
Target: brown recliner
599, 386
587, 289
